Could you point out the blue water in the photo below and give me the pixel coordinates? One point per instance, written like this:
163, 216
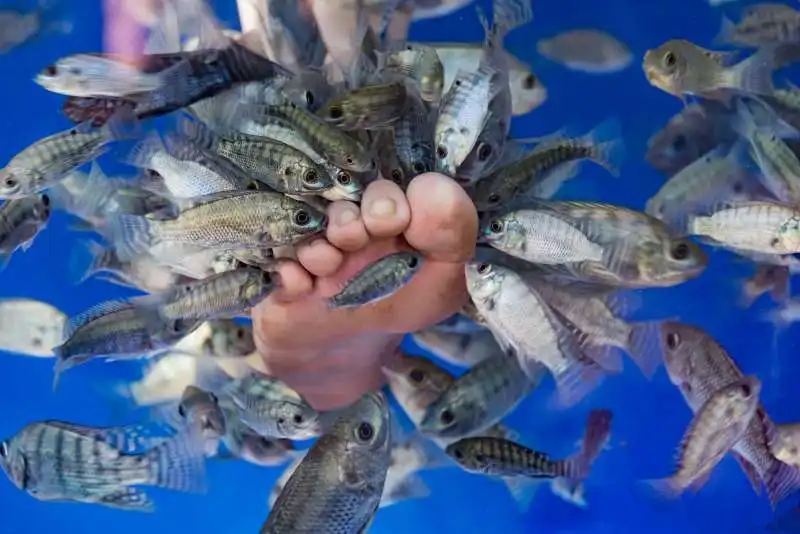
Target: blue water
650, 417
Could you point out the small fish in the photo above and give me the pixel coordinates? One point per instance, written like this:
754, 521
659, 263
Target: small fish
714, 430
592, 51
527, 175
378, 280
57, 461
767, 278
229, 339
765, 227
527, 90
462, 350
762, 24
786, 444
221, 221
293, 35
419, 62
500, 457
700, 367
251, 447
479, 398
681, 68
371, 107
30, 327
338, 485
201, 411
17, 28
271, 408
223, 295
48, 160
114, 329
21, 220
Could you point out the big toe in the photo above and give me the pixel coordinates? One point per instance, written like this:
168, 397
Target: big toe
444, 222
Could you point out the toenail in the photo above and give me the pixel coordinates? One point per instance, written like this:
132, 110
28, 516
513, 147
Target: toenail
383, 208
346, 217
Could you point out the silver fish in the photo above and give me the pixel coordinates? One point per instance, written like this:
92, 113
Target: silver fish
378, 280
21, 220
201, 411
30, 327
591, 51
337, 487
463, 350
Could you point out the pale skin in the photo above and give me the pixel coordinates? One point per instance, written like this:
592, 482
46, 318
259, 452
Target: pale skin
332, 357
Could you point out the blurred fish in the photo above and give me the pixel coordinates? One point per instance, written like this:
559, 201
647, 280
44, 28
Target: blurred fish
527, 90
591, 51
371, 107
419, 62
293, 36
21, 220
94, 111
681, 68
463, 350
17, 28
786, 444
413, 137
30, 327
378, 280
56, 461
767, 278
338, 485
230, 339
245, 444
201, 411
479, 398
762, 24
714, 430
271, 408
700, 367
499, 457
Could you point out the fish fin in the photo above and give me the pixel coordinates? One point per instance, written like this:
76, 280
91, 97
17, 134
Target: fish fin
131, 235
428, 454
523, 490
198, 133
5, 258
608, 149
754, 74
606, 357
643, 346
781, 480
577, 380
569, 490
726, 31
87, 259
668, 488
141, 154
178, 464
412, 487
698, 483
129, 499
596, 435
750, 471
92, 313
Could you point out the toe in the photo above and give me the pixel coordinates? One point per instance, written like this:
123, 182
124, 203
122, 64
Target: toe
319, 257
295, 281
346, 230
384, 209
444, 223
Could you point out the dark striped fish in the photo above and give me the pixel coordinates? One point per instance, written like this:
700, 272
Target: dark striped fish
502, 457
56, 461
20, 222
378, 280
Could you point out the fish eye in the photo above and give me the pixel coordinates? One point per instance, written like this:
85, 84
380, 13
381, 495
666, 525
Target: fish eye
397, 176
484, 151
335, 112
281, 421
413, 261
480, 458
494, 198
10, 182
529, 82
266, 443
178, 326
441, 151
365, 431
496, 227
181, 411
670, 59
673, 340
50, 70
45, 201
213, 398
348, 160
312, 177
447, 417
252, 186
418, 167
240, 333
746, 390
344, 178
458, 454
417, 376
301, 218
309, 98
679, 143
680, 251
298, 419
484, 268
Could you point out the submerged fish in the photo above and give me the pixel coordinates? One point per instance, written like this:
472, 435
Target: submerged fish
30, 327
590, 51
21, 220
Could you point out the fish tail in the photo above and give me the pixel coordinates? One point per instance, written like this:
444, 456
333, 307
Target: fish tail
198, 133
178, 464
131, 235
607, 147
509, 15
523, 490
598, 430
141, 155
569, 490
576, 381
749, 470
89, 258
669, 488
726, 31
781, 480
643, 346
754, 74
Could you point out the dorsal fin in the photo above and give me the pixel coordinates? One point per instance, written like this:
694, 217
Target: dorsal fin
93, 313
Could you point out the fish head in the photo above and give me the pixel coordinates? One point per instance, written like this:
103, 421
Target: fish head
231, 338
683, 347
449, 417
665, 67
469, 455
501, 229
305, 220
672, 261
484, 282
14, 183
170, 331
365, 429
296, 420
202, 409
258, 284
415, 382
527, 91
742, 398
786, 444
685, 138
13, 463
66, 76
453, 145
304, 177
347, 185
264, 451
